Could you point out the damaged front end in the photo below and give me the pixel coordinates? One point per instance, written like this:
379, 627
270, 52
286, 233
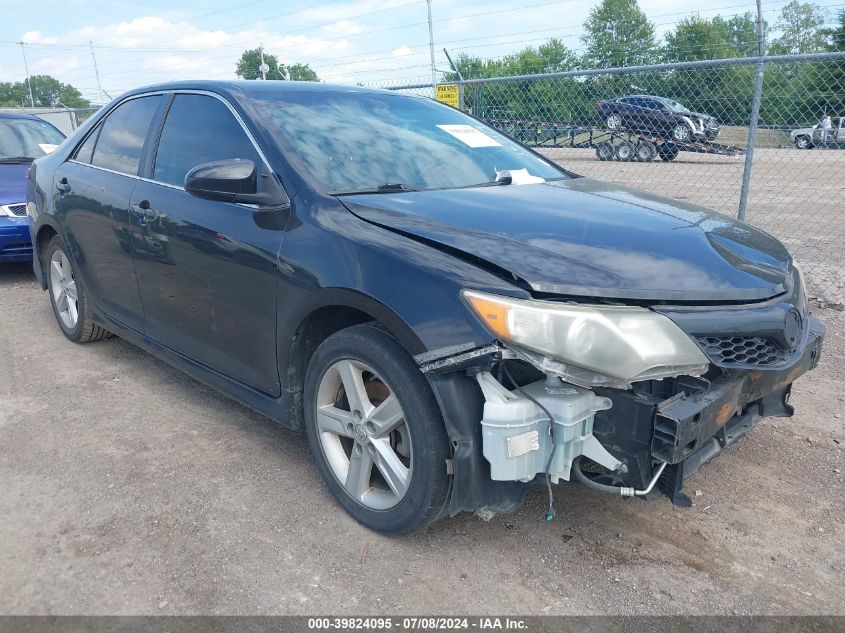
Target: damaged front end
650, 404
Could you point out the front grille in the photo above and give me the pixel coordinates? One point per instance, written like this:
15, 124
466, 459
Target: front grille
16, 209
743, 350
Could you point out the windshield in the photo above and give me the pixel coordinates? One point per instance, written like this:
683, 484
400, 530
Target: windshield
351, 141
674, 106
27, 139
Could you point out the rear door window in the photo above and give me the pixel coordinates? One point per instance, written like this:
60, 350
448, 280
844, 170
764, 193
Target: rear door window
86, 150
199, 129
121, 141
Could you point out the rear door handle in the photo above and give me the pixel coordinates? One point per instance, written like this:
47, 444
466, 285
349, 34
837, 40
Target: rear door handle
145, 212
63, 186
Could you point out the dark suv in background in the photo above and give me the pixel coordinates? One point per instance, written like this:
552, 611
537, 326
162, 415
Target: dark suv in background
647, 114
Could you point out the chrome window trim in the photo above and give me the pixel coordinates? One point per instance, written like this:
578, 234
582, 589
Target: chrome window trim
175, 93
100, 123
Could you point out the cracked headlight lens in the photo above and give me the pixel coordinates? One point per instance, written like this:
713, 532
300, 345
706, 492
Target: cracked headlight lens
593, 345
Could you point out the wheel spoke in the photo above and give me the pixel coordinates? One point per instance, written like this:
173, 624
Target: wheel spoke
353, 384
358, 476
395, 473
330, 419
61, 302
57, 275
70, 289
67, 272
71, 310
386, 416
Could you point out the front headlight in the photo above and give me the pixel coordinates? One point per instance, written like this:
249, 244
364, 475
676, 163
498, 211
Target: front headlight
596, 345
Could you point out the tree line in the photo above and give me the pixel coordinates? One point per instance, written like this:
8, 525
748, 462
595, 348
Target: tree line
49, 92
618, 34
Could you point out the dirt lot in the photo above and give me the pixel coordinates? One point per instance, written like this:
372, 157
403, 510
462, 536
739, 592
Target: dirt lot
128, 488
796, 195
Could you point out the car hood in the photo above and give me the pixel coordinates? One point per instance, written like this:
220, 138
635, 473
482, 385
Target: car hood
13, 183
803, 130
586, 238
699, 115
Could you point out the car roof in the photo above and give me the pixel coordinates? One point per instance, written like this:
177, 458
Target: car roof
248, 88
19, 115
646, 97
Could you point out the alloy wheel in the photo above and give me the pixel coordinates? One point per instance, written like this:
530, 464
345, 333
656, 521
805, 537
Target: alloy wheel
681, 132
614, 122
363, 434
63, 287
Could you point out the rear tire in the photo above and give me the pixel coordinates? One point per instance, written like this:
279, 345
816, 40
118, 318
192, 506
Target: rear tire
604, 150
625, 151
646, 151
613, 122
667, 152
390, 476
68, 296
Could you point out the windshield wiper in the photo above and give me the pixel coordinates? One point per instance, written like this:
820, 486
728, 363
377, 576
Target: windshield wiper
17, 159
387, 187
492, 183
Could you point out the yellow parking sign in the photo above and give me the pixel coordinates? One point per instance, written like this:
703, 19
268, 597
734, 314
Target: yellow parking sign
448, 94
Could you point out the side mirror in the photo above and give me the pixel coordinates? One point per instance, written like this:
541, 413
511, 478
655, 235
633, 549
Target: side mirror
235, 180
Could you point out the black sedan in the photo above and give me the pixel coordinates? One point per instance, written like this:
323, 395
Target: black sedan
646, 114
450, 317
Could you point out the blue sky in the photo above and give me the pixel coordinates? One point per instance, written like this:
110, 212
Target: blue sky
346, 41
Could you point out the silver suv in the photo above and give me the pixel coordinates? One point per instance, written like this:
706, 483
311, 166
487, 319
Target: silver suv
810, 137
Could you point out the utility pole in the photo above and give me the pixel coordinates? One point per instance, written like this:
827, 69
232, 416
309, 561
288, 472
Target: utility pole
263, 68
431, 48
97, 72
755, 115
28, 80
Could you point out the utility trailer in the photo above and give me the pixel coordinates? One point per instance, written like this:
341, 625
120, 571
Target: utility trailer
621, 145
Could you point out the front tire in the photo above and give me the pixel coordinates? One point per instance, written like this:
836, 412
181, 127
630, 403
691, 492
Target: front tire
681, 133
613, 122
803, 142
68, 296
376, 431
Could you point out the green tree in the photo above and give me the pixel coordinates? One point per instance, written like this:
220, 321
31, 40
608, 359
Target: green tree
526, 99
249, 67
302, 72
47, 92
800, 27
837, 34
618, 33
696, 38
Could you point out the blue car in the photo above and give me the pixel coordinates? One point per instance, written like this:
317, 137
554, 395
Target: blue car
23, 138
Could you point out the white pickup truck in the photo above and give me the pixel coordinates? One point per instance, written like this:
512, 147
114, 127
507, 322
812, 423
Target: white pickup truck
810, 137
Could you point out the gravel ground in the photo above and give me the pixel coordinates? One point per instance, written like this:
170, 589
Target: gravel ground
128, 488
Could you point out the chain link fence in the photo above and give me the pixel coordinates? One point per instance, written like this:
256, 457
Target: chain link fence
683, 130
65, 120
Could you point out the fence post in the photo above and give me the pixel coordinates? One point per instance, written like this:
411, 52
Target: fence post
755, 117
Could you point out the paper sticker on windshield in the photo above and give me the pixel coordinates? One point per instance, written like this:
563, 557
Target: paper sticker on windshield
47, 147
468, 135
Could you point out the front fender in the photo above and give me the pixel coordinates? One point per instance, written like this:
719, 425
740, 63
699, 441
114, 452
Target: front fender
331, 257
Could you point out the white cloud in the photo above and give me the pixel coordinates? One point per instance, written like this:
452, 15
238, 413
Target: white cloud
343, 27
36, 37
403, 51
